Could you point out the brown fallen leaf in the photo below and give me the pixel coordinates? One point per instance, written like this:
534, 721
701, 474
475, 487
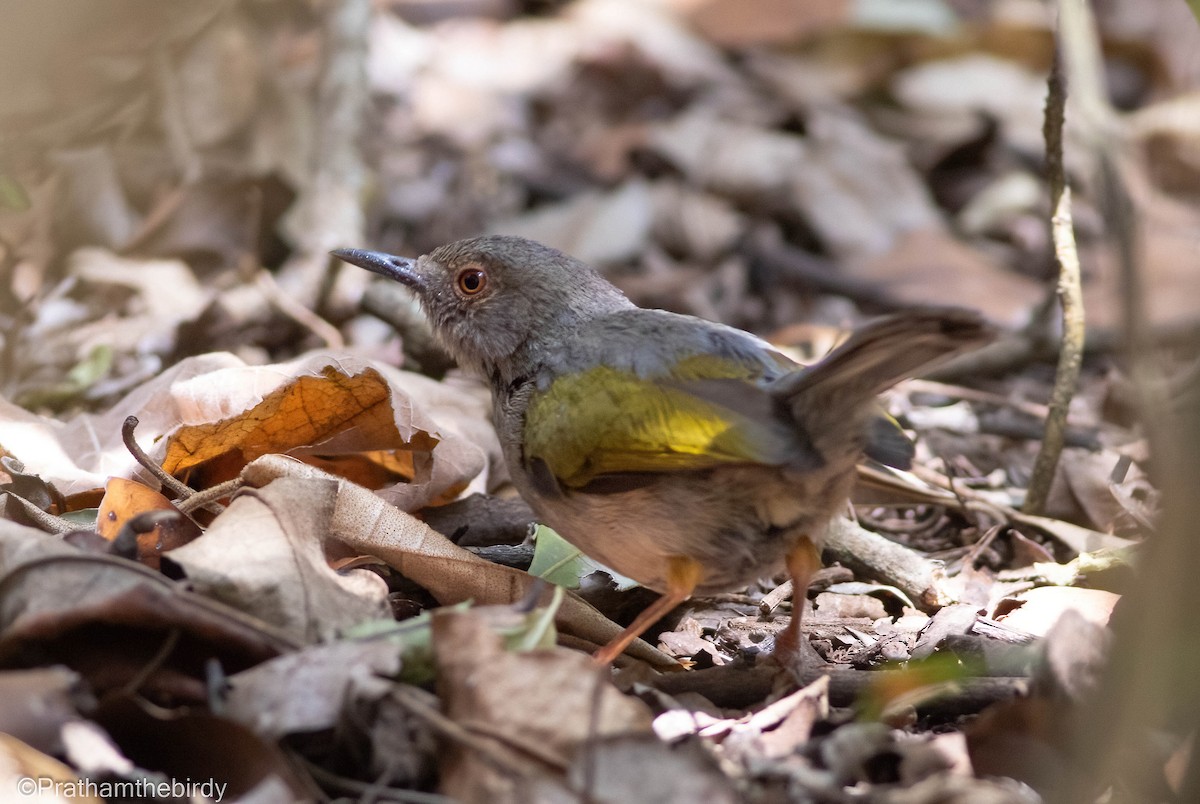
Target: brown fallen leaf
204, 748
311, 689
598, 228
210, 415
1036, 611
266, 554
537, 728
742, 23
115, 622
1088, 478
369, 525
125, 499
641, 767
926, 264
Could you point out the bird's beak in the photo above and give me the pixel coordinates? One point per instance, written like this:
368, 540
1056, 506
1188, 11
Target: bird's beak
401, 269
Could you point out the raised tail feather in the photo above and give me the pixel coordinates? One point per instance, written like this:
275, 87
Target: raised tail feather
888, 350
838, 393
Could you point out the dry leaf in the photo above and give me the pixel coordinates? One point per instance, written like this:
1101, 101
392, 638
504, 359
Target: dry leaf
979, 83
643, 768
656, 35
108, 618
219, 76
929, 264
206, 749
79, 455
857, 189
1036, 611
32, 773
745, 162
218, 414
486, 690
312, 689
266, 554
36, 704
1088, 477
695, 224
741, 23
125, 499
368, 525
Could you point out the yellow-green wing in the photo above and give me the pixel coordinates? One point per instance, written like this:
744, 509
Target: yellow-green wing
610, 421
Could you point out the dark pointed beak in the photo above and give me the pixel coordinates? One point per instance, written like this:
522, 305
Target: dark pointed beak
401, 269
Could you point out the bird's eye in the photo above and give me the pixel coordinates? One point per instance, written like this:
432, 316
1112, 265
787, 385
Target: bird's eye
471, 281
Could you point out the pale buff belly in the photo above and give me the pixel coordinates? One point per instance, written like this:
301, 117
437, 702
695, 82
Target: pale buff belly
737, 522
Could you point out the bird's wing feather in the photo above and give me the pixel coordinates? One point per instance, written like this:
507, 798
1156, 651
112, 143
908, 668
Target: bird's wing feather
707, 411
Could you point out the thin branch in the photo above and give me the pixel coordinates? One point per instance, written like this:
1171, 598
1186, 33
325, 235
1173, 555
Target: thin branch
207, 499
187, 498
46, 521
423, 705
1070, 292
156, 661
180, 489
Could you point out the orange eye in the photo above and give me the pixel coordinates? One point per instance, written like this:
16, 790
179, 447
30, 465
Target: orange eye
471, 281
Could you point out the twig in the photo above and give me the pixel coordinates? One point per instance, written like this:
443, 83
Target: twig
181, 490
208, 498
47, 521
417, 702
156, 661
988, 537
1070, 292
909, 571
185, 495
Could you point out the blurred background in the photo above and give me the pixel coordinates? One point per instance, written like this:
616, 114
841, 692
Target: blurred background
172, 175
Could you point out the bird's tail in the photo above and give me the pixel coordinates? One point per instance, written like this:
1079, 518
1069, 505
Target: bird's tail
839, 391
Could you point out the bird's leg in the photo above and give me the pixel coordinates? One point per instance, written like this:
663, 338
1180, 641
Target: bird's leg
803, 561
683, 574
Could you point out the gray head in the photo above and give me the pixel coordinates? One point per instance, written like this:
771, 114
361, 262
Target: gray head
492, 299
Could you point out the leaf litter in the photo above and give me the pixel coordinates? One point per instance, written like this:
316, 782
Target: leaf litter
762, 167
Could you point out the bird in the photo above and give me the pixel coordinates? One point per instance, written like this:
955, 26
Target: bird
688, 455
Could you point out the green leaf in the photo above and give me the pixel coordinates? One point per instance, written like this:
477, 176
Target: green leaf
558, 561
82, 376
92, 368
415, 638
12, 194
537, 629
84, 517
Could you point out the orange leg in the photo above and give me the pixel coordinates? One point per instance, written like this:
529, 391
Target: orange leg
803, 561
683, 574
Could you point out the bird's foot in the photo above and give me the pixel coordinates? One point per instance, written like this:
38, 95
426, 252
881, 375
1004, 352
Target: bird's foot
796, 656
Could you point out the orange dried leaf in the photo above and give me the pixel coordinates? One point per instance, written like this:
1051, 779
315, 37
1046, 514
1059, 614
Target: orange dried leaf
304, 412
413, 439
125, 499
